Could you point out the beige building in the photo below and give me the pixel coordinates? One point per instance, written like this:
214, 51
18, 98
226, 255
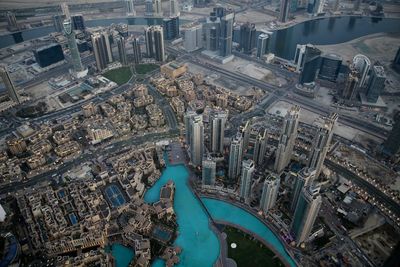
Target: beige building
16, 145
67, 149
173, 69
89, 109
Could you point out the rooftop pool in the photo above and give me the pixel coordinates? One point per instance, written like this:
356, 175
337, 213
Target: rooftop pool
200, 245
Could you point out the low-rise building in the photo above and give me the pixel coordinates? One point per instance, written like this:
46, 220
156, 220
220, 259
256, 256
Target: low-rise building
173, 69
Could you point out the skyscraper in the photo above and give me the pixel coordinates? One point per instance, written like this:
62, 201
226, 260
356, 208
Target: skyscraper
299, 56
148, 8
305, 214
293, 5
269, 192
392, 143
245, 131
193, 37
101, 49
287, 139
11, 20
247, 37
235, 158
284, 10
321, 143
171, 28
73, 48
8, 83
187, 119
260, 147
362, 64
155, 42
65, 10
336, 6
310, 64
58, 21
196, 140
376, 83
315, 7
262, 44
225, 37
303, 179
351, 86
157, 8
78, 22
217, 128
121, 50
246, 179
357, 4
208, 171
130, 8
137, 53
330, 66
174, 8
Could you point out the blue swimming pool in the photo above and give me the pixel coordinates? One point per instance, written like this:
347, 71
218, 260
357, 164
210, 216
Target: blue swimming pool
200, 245
114, 196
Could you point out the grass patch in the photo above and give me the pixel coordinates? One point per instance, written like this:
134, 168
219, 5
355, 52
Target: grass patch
249, 252
145, 68
120, 75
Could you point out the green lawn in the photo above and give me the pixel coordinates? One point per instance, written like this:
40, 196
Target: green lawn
120, 75
145, 68
249, 252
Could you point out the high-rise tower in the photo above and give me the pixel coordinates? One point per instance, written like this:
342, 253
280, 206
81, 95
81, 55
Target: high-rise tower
196, 140
362, 64
321, 143
8, 83
247, 37
310, 64
174, 8
208, 171
225, 37
287, 139
350, 89
148, 8
392, 143
122, 50
137, 52
305, 214
260, 147
262, 44
304, 178
217, 129
155, 42
101, 49
73, 48
269, 192
157, 8
376, 83
235, 158
130, 8
246, 180
284, 10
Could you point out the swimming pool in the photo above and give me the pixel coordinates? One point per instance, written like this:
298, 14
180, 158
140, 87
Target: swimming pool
114, 196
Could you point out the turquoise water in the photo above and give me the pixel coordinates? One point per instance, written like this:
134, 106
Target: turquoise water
122, 255
200, 245
227, 212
